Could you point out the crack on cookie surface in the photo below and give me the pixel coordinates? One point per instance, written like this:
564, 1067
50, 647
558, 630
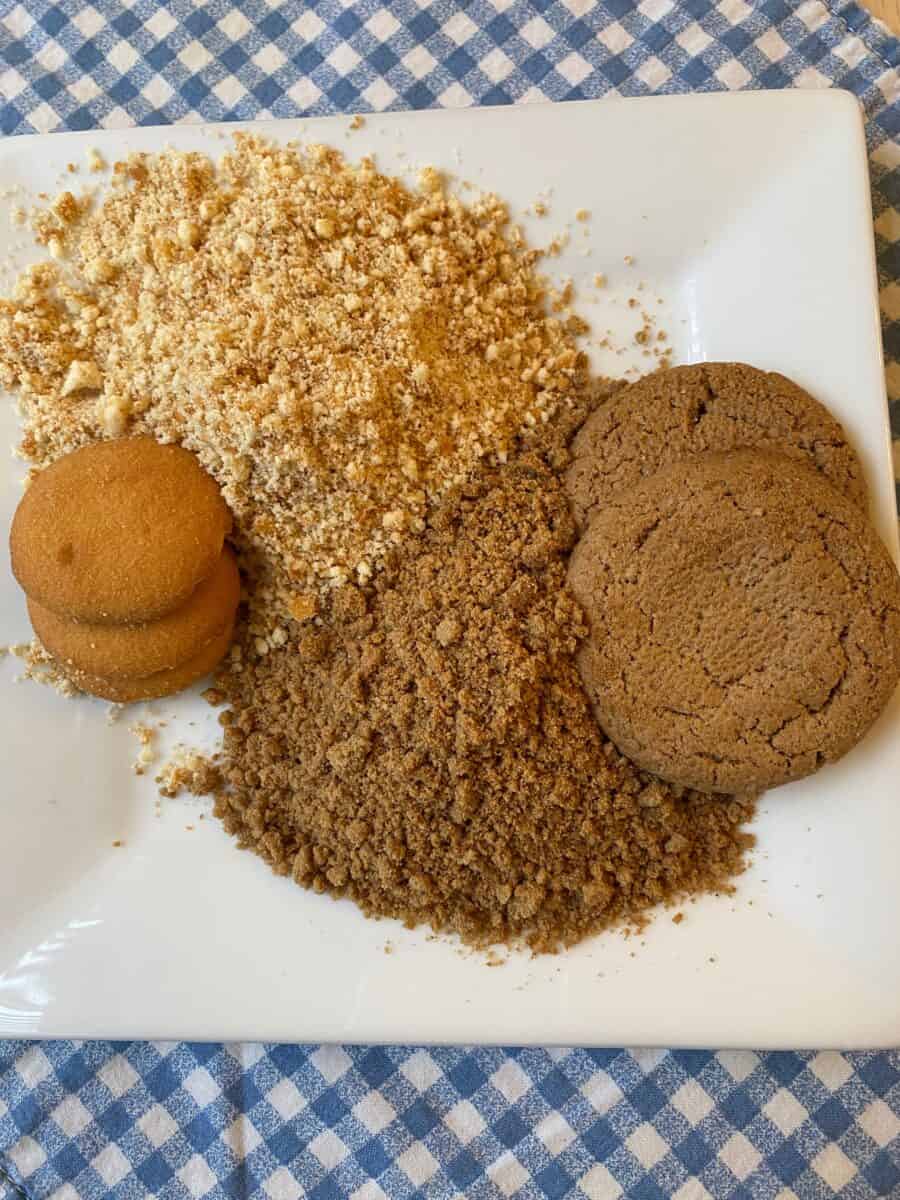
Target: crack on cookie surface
707, 407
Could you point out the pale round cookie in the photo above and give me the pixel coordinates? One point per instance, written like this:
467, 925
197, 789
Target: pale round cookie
133, 651
162, 683
696, 409
118, 532
744, 621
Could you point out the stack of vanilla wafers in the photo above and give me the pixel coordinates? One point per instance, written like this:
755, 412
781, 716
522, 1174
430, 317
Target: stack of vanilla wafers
120, 548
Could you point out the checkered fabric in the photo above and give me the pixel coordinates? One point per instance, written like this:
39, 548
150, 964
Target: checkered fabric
98, 1119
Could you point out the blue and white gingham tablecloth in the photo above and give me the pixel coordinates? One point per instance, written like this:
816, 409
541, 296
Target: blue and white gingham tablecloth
99, 1119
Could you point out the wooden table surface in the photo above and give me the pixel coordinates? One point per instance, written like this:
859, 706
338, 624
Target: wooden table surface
887, 11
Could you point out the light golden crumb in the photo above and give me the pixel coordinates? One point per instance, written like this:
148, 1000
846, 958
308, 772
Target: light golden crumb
447, 631
42, 668
358, 121
99, 270
562, 298
115, 412
599, 281
146, 735
582, 215
82, 375
430, 180
66, 208
628, 260
95, 160
302, 608
395, 519
188, 771
188, 232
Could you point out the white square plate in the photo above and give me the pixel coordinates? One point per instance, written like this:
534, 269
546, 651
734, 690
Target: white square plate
749, 215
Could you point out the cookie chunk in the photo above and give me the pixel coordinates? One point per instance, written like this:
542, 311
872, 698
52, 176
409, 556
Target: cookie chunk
118, 532
134, 651
162, 683
693, 410
744, 621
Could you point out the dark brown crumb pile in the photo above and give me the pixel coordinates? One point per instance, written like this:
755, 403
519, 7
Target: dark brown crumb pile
431, 754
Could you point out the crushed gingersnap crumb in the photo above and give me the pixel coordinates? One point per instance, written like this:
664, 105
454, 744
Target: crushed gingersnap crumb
430, 752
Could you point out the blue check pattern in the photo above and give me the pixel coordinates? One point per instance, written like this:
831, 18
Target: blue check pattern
131, 1120
100, 1119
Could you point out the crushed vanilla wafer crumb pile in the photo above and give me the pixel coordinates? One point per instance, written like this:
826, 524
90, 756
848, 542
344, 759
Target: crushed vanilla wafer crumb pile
337, 349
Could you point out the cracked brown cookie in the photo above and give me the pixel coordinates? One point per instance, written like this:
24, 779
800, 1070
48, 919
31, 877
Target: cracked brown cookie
745, 621
674, 414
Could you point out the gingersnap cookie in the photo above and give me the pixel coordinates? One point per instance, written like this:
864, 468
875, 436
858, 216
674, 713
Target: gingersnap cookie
744, 621
133, 651
118, 532
162, 683
684, 411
